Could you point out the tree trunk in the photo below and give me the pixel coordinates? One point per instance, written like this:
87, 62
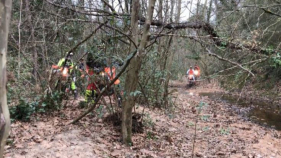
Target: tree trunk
155, 80
131, 78
5, 14
168, 64
132, 75
160, 11
209, 11
172, 11
197, 8
169, 59
178, 11
190, 9
127, 6
204, 10
31, 28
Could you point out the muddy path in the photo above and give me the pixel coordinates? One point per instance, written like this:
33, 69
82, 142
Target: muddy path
220, 132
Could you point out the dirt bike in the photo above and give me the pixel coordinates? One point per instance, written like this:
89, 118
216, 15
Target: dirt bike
103, 77
191, 80
61, 81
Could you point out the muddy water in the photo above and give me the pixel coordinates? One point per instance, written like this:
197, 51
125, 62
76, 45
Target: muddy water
263, 113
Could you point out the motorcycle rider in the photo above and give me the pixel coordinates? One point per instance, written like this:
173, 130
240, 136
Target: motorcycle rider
190, 71
196, 67
93, 66
196, 71
68, 63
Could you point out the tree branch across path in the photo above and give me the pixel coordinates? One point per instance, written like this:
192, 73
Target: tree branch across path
185, 25
212, 35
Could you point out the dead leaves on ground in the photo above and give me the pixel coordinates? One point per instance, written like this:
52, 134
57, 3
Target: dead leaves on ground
220, 133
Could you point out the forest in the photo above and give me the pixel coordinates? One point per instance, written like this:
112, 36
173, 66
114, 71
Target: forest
140, 78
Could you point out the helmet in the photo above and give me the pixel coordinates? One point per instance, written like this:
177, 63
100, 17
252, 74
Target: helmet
190, 67
69, 54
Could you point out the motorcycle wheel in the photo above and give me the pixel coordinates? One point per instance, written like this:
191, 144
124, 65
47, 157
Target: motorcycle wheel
190, 83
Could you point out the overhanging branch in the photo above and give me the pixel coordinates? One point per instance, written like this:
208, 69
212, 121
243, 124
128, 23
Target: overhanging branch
227, 60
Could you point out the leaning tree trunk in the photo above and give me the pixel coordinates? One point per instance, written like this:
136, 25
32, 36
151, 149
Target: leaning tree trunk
5, 14
132, 75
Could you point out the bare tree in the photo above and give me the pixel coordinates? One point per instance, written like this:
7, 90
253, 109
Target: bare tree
132, 76
5, 15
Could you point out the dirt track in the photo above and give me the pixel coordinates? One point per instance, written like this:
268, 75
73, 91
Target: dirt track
220, 133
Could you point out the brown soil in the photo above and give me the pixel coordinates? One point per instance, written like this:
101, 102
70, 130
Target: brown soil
168, 133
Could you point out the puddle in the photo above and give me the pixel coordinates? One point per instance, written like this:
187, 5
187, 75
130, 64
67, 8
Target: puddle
261, 112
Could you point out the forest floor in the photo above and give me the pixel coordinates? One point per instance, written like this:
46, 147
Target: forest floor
220, 132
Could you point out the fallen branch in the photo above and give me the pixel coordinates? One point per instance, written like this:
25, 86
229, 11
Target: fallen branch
185, 25
212, 33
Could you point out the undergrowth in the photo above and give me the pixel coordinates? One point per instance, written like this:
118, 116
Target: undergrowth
41, 104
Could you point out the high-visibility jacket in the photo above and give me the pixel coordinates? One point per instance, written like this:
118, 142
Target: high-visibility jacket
190, 72
68, 64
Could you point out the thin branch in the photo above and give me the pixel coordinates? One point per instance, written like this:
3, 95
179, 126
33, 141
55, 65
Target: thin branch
178, 35
121, 32
274, 5
270, 12
77, 45
111, 8
89, 36
232, 62
233, 67
79, 11
105, 88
